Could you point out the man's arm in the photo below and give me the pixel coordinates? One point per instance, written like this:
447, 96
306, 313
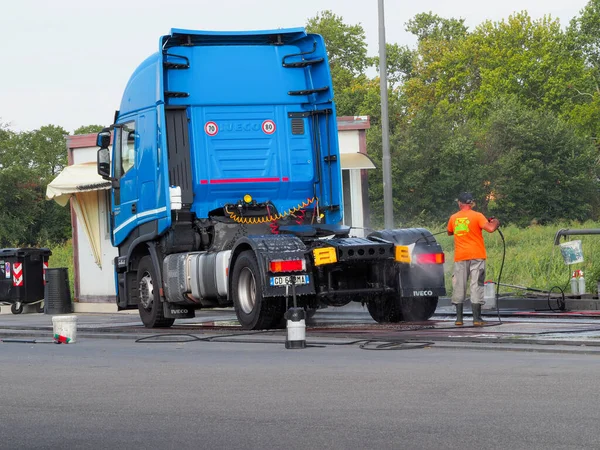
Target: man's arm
492, 225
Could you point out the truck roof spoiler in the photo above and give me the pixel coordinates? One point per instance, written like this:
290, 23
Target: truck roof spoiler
282, 36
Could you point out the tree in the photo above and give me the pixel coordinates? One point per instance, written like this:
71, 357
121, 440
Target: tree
431, 26
583, 38
88, 129
539, 169
496, 111
585, 35
28, 162
347, 52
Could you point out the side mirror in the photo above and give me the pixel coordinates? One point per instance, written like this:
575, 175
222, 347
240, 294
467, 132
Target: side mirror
103, 160
103, 138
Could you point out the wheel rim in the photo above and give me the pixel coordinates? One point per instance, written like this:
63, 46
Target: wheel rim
146, 291
247, 290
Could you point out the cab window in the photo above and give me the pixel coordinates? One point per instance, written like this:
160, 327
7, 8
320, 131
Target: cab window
127, 147
124, 148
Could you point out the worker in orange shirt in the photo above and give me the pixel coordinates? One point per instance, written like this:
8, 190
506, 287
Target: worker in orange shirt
469, 256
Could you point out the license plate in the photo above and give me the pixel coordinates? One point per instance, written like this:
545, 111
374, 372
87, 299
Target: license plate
287, 280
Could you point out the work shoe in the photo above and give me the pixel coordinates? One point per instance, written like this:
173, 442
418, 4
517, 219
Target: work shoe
477, 320
459, 315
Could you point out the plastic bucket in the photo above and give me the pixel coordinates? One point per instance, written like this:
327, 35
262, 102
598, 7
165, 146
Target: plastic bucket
572, 252
64, 329
489, 295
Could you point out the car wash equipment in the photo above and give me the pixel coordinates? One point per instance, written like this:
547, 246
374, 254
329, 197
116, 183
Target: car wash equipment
581, 283
500, 272
296, 328
574, 284
459, 315
489, 294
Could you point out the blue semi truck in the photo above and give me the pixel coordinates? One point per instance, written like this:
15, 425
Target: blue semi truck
226, 189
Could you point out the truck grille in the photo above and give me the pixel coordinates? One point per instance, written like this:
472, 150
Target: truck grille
297, 126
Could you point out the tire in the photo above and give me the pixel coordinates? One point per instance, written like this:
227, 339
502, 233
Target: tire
252, 310
40, 307
385, 309
16, 309
418, 309
150, 306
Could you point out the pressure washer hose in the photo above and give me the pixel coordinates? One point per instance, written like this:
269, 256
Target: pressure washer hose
500, 275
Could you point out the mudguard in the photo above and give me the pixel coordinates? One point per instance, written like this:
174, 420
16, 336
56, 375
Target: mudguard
416, 280
273, 247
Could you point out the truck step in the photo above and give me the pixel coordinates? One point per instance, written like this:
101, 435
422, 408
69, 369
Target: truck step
168, 63
174, 94
303, 63
172, 65
309, 91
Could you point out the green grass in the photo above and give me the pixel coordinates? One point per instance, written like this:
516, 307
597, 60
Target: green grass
532, 259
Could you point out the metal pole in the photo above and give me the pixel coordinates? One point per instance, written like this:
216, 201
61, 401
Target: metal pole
388, 204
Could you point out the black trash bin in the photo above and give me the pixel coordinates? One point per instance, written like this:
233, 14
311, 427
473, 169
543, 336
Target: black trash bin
57, 295
22, 276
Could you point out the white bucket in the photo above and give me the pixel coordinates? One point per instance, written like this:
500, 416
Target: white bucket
489, 295
64, 329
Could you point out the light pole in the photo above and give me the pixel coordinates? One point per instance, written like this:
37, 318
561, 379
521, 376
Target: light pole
388, 205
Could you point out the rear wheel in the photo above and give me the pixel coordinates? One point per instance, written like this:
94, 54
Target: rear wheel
150, 306
253, 311
385, 309
418, 309
40, 307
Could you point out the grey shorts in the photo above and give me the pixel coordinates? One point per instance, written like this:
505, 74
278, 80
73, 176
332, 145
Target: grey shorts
463, 270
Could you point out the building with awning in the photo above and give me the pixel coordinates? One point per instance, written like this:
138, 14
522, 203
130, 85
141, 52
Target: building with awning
93, 252
81, 183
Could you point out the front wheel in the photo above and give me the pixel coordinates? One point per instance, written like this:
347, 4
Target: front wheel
252, 310
150, 306
418, 309
16, 308
385, 309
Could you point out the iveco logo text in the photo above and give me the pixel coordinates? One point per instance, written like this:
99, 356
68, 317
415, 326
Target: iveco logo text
179, 311
422, 293
239, 126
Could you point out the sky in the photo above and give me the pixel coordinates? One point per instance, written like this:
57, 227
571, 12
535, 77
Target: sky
66, 62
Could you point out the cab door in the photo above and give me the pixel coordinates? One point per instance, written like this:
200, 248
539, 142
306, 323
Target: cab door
125, 195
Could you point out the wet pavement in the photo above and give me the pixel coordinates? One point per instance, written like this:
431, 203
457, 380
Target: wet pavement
570, 331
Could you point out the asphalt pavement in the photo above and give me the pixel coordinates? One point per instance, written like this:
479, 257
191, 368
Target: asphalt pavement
121, 394
526, 382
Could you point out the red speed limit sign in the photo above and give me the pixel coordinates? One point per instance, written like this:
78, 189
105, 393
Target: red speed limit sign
211, 128
268, 127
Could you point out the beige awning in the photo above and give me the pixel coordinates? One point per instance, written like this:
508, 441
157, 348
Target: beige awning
81, 182
356, 161
75, 179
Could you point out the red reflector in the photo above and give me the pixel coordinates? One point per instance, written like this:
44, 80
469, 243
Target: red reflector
431, 258
289, 265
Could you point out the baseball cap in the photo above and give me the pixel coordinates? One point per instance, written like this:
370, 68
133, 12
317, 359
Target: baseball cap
465, 197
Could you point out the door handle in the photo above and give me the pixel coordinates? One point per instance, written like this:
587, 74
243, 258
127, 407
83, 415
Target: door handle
134, 208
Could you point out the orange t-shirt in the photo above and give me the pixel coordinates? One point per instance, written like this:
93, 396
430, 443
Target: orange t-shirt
467, 226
